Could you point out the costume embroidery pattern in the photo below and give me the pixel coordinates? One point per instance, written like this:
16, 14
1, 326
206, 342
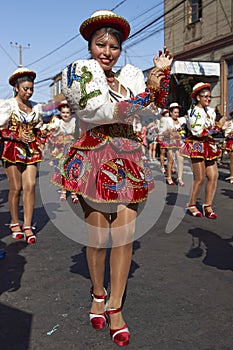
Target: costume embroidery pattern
83, 79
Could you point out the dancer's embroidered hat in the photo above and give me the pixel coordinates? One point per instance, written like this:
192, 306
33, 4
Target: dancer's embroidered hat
20, 72
103, 18
63, 103
198, 87
174, 105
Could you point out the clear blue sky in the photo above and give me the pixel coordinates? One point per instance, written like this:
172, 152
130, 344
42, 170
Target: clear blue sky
49, 25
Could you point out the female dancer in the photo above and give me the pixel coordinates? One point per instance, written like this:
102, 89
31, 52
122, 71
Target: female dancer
170, 141
152, 130
63, 130
20, 120
106, 165
200, 147
228, 132
178, 127
162, 150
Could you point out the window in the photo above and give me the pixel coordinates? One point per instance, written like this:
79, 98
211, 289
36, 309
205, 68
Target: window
194, 10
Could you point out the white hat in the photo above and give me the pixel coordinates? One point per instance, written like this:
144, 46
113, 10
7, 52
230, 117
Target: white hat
174, 105
198, 87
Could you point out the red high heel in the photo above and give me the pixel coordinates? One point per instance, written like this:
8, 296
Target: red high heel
63, 196
180, 183
195, 213
29, 239
170, 182
208, 214
74, 197
16, 234
119, 336
164, 171
98, 321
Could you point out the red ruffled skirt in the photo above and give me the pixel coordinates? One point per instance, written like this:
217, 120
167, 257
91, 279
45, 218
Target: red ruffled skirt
18, 152
229, 144
196, 147
106, 165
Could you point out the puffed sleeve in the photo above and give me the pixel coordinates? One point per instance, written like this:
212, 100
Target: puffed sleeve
133, 78
86, 90
5, 112
196, 121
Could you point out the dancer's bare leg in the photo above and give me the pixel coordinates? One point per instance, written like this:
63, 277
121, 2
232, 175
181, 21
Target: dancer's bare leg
14, 176
212, 178
180, 165
162, 157
199, 173
231, 162
98, 225
170, 161
28, 186
122, 229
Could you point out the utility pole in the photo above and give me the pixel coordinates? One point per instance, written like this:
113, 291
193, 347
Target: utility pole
20, 47
125, 58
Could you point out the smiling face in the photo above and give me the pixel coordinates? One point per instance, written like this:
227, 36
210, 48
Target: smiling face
204, 98
175, 112
105, 48
65, 113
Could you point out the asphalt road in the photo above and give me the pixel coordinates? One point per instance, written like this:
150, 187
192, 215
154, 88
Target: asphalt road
180, 287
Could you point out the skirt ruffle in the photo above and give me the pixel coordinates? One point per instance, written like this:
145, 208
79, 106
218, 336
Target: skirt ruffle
108, 172
205, 148
19, 152
229, 144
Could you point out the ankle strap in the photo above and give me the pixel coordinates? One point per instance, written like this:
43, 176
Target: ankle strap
12, 225
28, 228
110, 311
99, 298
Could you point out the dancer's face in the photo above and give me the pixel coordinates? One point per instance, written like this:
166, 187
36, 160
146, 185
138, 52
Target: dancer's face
65, 113
25, 90
105, 49
175, 113
204, 98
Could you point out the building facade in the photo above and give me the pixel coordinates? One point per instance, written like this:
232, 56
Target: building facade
199, 33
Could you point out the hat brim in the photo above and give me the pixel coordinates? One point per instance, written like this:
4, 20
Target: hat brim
177, 106
62, 104
165, 111
94, 23
14, 77
197, 90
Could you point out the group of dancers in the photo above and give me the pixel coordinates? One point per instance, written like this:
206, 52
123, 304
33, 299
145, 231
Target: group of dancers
105, 168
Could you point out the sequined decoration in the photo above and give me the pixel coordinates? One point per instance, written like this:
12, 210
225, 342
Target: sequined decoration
83, 79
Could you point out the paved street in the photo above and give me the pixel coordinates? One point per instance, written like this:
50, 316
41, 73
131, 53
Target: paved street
180, 287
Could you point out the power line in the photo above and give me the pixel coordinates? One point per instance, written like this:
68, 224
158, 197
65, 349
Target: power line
156, 20
67, 42
8, 55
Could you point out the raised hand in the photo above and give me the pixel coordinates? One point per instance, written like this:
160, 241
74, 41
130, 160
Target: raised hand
164, 59
160, 62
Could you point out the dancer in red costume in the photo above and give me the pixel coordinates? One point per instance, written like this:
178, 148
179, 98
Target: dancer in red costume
228, 132
200, 147
63, 131
106, 166
20, 122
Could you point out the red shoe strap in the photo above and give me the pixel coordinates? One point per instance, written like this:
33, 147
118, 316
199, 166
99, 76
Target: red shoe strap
113, 311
